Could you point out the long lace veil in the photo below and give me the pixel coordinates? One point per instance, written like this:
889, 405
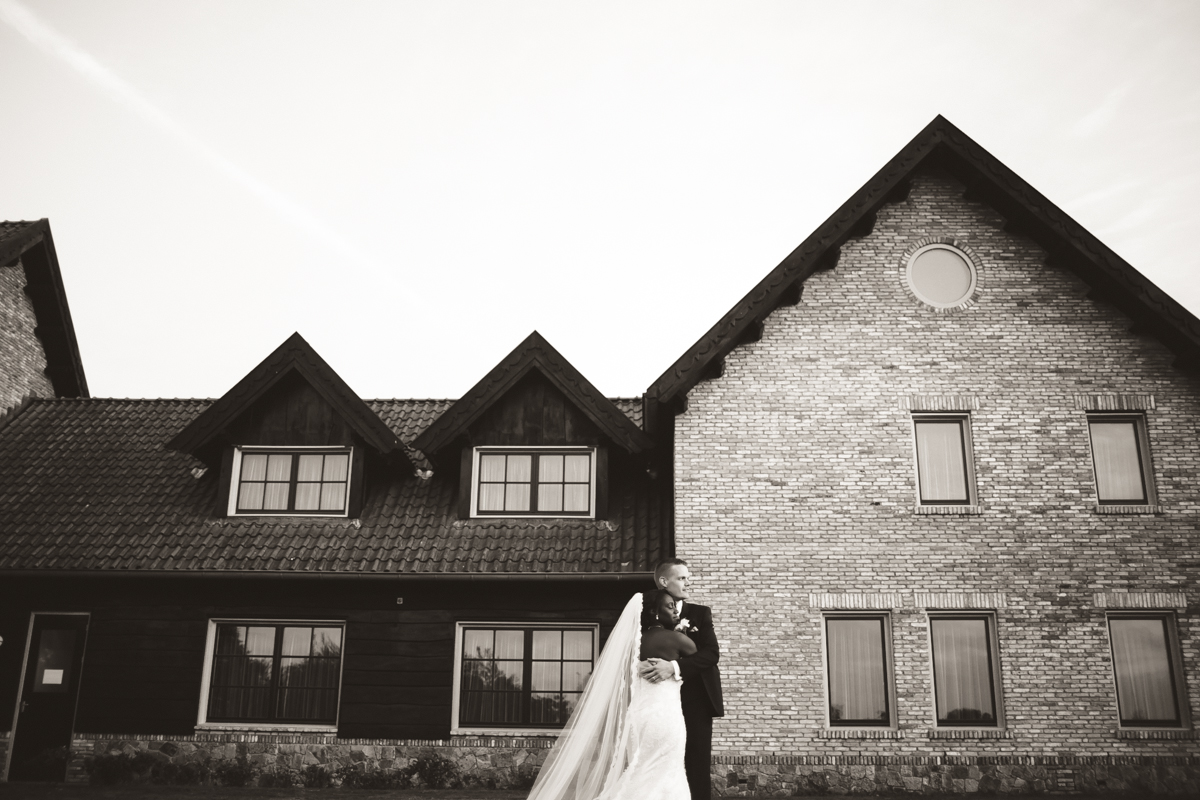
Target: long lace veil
593, 749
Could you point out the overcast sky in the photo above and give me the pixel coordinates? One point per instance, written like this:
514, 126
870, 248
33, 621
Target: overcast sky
417, 186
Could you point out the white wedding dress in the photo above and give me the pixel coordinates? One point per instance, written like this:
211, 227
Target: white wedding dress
656, 741
626, 738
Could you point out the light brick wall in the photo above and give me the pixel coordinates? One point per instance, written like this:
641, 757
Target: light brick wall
22, 358
795, 478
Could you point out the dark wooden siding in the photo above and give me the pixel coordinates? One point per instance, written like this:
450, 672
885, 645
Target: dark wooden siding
291, 413
534, 414
142, 668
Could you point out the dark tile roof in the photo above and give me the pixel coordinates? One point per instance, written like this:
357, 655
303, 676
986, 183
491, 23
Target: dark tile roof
89, 485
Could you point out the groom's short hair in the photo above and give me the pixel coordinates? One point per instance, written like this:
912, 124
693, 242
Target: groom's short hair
665, 566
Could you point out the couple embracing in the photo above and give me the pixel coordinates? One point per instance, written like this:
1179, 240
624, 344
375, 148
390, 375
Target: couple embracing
642, 729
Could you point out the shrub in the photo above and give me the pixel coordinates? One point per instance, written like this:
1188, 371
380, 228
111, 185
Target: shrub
235, 773
112, 769
189, 774
434, 771
354, 777
315, 776
522, 777
277, 779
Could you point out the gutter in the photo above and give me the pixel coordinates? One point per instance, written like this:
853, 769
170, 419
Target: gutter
485, 577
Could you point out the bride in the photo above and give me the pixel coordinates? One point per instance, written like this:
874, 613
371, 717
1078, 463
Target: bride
626, 737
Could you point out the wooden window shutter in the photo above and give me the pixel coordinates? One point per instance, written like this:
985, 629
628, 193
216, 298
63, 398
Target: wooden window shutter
601, 483
358, 484
223, 487
466, 482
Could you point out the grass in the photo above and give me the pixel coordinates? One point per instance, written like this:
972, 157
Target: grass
61, 791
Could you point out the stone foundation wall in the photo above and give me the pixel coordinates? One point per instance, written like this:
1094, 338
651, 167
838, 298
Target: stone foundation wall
512, 763
500, 763
772, 776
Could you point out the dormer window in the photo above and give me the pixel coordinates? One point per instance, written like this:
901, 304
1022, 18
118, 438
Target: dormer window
290, 481
534, 482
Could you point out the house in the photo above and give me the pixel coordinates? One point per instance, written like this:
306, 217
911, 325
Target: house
279, 574
936, 475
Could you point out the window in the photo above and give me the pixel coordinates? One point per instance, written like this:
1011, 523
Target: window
290, 481
941, 276
272, 672
553, 482
511, 676
1121, 459
1146, 666
944, 474
857, 662
964, 673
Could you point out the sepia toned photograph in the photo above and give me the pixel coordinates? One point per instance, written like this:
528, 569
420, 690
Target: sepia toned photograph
531, 400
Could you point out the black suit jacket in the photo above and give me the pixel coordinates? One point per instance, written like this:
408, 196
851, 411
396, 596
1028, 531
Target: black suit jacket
701, 689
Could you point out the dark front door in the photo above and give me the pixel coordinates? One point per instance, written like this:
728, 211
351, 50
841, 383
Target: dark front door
46, 714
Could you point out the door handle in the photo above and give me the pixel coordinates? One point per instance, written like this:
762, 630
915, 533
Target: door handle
24, 705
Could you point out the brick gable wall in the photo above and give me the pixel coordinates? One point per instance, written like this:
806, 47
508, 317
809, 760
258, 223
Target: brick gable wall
795, 481
22, 357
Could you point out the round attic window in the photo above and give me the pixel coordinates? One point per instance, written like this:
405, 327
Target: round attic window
941, 275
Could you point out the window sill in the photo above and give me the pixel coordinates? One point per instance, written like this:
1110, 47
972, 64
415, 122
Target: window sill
969, 733
516, 733
949, 510
1154, 733
1129, 509
860, 733
264, 727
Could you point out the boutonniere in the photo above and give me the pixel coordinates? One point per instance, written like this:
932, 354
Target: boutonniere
686, 626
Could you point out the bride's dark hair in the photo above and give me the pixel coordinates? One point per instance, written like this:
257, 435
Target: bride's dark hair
650, 601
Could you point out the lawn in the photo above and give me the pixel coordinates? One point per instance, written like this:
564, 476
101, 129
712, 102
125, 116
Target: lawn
59, 791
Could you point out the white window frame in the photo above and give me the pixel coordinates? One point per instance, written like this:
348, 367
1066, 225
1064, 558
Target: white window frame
236, 474
1174, 655
963, 417
1143, 443
889, 675
210, 644
458, 730
475, 514
994, 652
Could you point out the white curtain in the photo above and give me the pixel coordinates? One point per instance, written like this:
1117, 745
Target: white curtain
961, 672
1118, 465
940, 462
857, 670
1145, 690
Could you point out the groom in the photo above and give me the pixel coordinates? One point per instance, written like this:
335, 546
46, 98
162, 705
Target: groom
701, 690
